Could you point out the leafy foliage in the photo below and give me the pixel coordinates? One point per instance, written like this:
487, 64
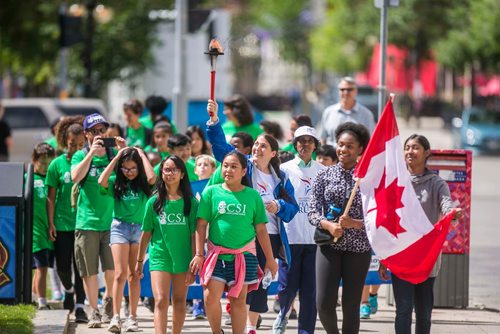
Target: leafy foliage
29, 47
16, 319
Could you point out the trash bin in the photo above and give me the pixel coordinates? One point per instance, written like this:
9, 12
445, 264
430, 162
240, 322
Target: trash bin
15, 234
451, 288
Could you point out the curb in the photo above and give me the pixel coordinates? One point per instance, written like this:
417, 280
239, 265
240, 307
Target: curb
51, 322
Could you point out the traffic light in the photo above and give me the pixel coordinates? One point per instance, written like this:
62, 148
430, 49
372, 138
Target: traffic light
70, 30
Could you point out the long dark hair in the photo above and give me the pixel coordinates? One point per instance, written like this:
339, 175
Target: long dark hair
274, 163
184, 186
422, 140
197, 129
140, 183
243, 162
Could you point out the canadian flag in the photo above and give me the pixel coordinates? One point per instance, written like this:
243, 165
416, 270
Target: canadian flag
400, 233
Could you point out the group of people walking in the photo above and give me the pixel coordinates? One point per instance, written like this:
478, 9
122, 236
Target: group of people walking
258, 215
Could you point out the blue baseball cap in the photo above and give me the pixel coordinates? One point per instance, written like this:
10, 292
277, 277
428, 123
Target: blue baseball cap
92, 120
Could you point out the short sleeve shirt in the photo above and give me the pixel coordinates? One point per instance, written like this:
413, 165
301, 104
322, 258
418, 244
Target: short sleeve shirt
171, 234
40, 223
130, 207
136, 137
232, 216
94, 209
59, 178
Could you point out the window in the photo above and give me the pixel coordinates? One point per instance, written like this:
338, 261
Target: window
25, 117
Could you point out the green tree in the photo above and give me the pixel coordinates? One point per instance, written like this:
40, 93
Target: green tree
474, 38
29, 43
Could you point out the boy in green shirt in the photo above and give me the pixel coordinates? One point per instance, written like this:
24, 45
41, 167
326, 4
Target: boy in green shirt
93, 217
43, 248
136, 133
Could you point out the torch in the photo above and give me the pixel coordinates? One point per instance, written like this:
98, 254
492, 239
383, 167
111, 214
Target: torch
214, 50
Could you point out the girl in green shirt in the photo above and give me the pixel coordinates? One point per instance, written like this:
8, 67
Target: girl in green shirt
62, 218
169, 223
161, 133
43, 248
131, 188
235, 215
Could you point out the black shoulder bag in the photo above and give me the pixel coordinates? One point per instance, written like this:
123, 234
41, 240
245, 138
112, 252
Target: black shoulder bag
323, 237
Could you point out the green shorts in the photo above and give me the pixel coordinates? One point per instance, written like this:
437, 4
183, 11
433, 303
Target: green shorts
90, 246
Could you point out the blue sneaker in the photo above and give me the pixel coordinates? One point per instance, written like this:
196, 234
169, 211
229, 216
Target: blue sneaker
198, 309
364, 311
373, 300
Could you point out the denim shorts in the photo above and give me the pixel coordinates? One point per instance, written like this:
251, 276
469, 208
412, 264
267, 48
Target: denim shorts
224, 270
124, 233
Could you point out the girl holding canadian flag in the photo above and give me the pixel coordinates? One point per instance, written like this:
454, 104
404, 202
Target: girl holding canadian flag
434, 196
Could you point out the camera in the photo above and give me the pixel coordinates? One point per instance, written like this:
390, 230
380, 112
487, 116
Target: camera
109, 142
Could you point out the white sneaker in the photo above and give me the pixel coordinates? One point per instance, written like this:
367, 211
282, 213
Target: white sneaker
115, 325
131, 325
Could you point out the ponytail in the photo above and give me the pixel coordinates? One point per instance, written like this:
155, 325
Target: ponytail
274, 163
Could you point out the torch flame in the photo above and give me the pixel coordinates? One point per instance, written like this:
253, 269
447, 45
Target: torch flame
214, 44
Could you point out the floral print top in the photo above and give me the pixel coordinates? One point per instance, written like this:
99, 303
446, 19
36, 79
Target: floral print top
330, 187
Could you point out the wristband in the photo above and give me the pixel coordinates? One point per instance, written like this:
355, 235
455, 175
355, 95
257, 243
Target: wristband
140, 260
200, 255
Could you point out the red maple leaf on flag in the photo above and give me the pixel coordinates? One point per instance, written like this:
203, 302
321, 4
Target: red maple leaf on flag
388, 201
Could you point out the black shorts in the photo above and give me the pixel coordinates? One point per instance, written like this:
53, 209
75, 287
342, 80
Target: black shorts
43, 258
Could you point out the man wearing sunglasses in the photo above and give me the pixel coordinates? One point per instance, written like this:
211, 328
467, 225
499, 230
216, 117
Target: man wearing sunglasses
346, 110
93, 216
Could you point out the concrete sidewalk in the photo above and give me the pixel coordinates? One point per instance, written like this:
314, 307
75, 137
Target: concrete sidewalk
456, 321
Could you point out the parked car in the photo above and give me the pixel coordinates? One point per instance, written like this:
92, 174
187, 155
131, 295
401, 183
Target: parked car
479, 129
30, 120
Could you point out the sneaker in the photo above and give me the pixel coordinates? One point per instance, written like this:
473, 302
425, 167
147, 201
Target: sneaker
373, 300
69, 301
252, 331
364, 311
149, 303
259, 322
44, 307
81, 316
279, 326
115, 325
198, 310
293, 314
228, 321
131, 325
276, 306
107, 309
95, 320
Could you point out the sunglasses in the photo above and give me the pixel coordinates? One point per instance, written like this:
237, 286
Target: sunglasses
350, 89
132, 170
98, 131
167, 171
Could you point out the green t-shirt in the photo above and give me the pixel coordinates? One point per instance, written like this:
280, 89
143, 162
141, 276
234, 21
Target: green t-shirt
94, 210
232, 216
147, 122
136, 137
130, 208
252, 129
40, 223
170, 247
190, 164
59, 178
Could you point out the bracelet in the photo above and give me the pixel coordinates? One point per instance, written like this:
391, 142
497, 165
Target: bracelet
200, 255
140, 260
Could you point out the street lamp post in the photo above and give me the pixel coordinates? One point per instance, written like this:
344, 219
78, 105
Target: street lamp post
383, 5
